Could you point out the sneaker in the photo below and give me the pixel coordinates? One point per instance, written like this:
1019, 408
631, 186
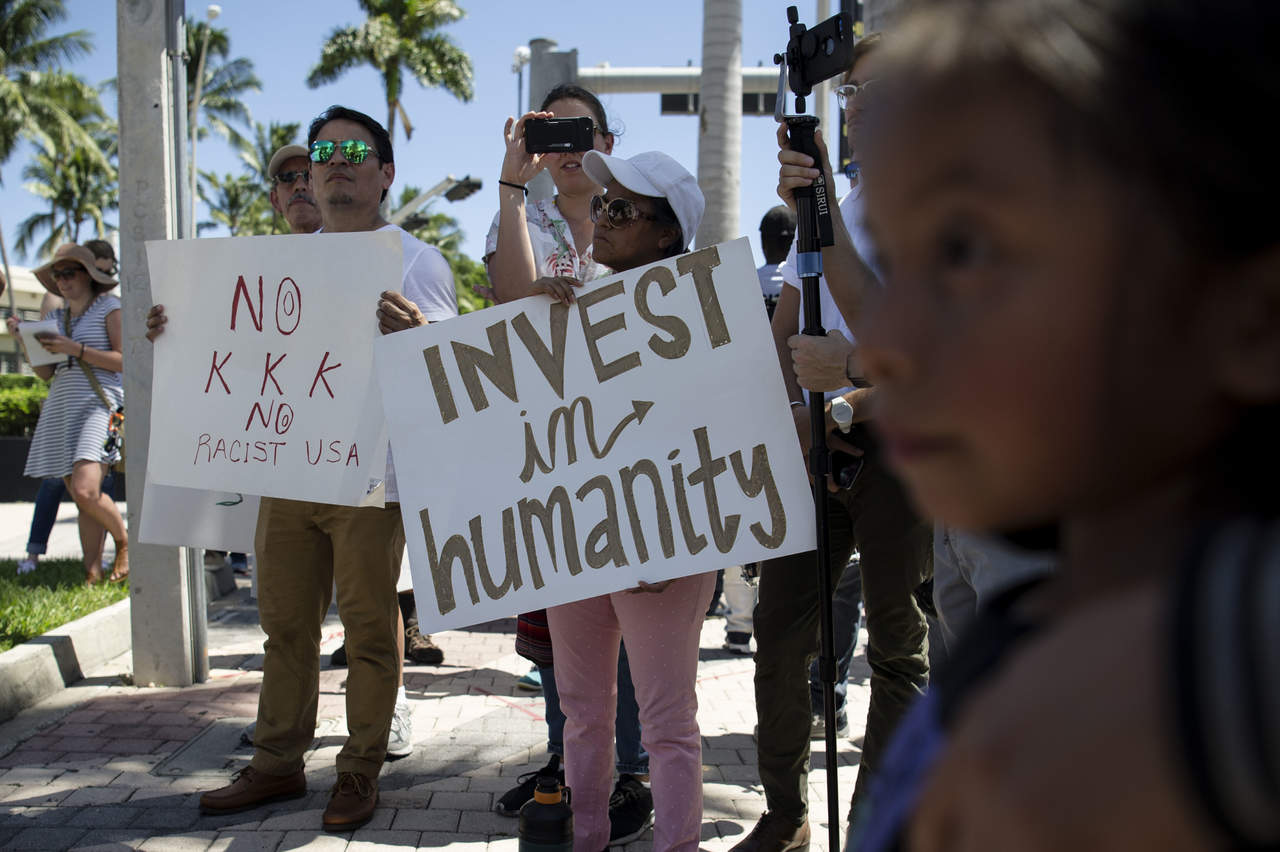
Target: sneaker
339, 655
532, 682
400, 742
630, 810
510, 802
419, 648
774, 834
819, 729
737, 643
26, 566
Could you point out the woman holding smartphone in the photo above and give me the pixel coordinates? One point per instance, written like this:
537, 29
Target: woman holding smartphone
550, 236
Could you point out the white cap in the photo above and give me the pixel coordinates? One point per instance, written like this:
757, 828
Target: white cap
655, 174
279, 158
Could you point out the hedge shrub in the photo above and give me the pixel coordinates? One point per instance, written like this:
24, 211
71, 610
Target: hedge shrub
20, 401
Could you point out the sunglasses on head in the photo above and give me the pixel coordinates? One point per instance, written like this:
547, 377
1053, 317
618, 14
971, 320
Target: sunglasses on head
620, 212
62, 273
288, 178
354, 150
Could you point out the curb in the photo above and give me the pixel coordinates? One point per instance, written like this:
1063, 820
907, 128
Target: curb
49, 663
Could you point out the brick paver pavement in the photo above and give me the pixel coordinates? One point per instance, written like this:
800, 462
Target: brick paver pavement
123, 768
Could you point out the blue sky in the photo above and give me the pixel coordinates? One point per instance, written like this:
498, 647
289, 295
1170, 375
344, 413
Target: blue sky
283, 39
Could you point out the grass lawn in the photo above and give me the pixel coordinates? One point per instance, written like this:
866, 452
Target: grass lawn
49, 596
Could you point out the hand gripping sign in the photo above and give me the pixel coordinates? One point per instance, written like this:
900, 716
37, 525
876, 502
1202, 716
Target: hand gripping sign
547, 454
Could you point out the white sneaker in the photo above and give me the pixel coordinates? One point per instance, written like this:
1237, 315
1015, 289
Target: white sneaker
26, 566
819, 728
400, 743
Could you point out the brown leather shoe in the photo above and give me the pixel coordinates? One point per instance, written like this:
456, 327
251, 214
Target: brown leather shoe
774, 834
250, 788
351, 803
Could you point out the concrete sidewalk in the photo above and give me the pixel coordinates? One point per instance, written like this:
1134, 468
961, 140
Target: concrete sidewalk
108, 765
64, 541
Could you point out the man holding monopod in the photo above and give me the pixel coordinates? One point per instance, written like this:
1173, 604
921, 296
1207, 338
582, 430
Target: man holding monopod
871, 514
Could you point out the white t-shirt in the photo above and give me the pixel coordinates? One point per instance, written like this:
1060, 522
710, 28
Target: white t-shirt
552, 240
428, 283
770, 280
851, 212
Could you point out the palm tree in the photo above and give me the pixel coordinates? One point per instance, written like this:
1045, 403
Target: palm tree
31, 98
399, 36
79, 190
30, 106
267, 139
237, 202
225, 82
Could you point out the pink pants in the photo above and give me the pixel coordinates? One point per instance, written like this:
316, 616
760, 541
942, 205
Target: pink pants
661, 631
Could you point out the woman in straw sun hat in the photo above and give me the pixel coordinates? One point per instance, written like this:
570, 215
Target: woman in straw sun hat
71, 435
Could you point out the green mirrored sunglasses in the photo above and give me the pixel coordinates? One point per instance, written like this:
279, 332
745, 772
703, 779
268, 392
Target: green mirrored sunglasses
354, 150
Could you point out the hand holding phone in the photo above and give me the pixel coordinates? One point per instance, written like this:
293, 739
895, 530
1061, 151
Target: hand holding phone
559, 135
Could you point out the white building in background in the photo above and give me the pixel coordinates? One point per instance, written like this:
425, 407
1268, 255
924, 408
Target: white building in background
27, 293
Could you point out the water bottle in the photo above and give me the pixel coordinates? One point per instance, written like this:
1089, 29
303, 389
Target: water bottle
546, 820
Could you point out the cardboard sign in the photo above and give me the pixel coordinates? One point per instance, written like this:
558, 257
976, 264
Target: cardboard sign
185, 517
263, 379
547, 454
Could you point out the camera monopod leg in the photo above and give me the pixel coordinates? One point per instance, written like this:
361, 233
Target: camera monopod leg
810, 204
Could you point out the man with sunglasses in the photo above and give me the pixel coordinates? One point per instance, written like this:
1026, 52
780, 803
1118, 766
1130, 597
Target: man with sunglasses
290, 174
871, 515
305, 548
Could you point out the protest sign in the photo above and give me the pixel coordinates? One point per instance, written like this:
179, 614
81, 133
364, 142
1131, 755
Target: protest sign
546, 454
263, 380
186, 517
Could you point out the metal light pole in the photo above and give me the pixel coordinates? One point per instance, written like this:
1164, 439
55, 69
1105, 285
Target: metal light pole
451, 188
518, 62
212, 14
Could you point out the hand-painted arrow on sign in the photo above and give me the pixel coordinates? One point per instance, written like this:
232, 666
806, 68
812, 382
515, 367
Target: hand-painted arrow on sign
565, 415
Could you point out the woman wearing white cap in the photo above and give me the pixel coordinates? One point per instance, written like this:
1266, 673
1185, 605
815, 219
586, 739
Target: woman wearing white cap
649, 211
529, 240
71, 438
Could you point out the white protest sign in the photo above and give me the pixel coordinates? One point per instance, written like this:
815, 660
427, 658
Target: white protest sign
547, 454
186, 517
263, 380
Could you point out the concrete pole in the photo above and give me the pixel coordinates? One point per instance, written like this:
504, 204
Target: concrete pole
720, 122
161, 594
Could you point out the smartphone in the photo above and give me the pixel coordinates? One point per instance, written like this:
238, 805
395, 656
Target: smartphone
820, 53
559, 135
845, 468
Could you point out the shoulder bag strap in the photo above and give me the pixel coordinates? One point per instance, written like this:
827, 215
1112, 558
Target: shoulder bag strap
88, 371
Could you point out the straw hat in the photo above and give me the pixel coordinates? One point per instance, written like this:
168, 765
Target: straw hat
77, 254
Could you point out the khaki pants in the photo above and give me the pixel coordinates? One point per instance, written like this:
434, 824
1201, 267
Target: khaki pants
896, 549
303, 549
